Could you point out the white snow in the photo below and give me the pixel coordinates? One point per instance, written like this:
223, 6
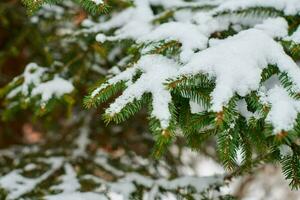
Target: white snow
243, 110
133, 22
196, 107
295, 37
195, 164
274, 27
289, 7
187, 34
237, 63
69, 182
208, 24
155, 70
285, 150
98, 2
33, 84
77, 196
32, 74
53, 88
125, 75
284, 109
30, 167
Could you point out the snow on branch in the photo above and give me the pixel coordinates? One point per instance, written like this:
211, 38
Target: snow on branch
36, 82
289, 7
236, 63
154, 69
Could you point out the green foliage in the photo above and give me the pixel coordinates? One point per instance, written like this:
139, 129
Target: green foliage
196, 88
103, 95
34, 5
89, 5
129, 110
254, 11
291, 169
92, 7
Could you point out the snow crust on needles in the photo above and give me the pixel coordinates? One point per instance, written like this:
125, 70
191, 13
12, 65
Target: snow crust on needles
284, 109
237, 64
56, 87
274, 27
134, 22
155, 70
33, 76
187, 34
137, 23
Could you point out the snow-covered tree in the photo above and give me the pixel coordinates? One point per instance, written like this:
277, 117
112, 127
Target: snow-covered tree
218, 73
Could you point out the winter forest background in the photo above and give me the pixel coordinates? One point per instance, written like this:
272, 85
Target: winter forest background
149, 99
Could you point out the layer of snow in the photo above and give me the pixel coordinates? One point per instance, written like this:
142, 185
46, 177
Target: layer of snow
33, 84
198, 165
77, 196
207, 24
187, 34
53, 88
237, 63
284, 109
274, 27
289, 7
196, 107
155, 70
69, 182
98, 2
134, 22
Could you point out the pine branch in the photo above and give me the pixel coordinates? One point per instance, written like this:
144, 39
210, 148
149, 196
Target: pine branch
89, 5
34, 5
254, 11
291, 169
129, 110
103, 95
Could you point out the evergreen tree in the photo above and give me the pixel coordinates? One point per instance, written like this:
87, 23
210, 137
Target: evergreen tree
220, 72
